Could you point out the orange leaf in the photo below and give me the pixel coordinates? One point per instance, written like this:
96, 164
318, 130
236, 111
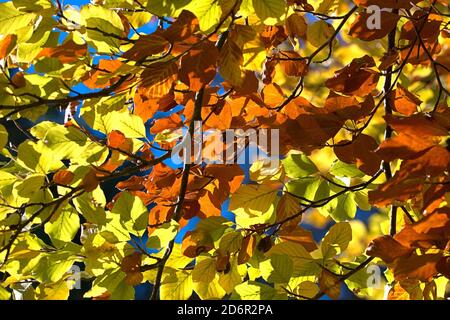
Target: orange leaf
404, 101
387, 248
117, 140
198, 67
101, 76
68, 52
7, 44
63, 177
172, 122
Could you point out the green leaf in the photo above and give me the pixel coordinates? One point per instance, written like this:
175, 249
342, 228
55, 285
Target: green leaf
362, 200
270, 12
311, 188
208, 13
129, 124
6, 179
229, 280
113, 281
29, 185
104, 27
278, 268
319, 32
214, 226
336, 240
3, 137
166, 7
298, 166
115, 231
251, 290
345, 208
123, 291
53, 291
4, 294
67, 143
253, 200
63, 226
176, 285
53, 267
231, 242
40, 196
342, 169
209, 290
32, 6
307, 289
296, 252
132, 212
41, 37
12, 20
204, 270
37, 157
91, 206
163, 234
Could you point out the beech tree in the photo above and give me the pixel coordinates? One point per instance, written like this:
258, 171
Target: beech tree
358, 91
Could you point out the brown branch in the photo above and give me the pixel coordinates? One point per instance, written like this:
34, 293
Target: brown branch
388, 109
197, 116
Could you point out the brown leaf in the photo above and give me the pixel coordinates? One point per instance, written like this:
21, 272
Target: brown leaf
198, 67
247, 249
360, 27
296, 66
360, 152
355, 79
330, 284
196, 242
300, 236
147, 45
387, 248
296, 26
90, 181
422, 267
157, 79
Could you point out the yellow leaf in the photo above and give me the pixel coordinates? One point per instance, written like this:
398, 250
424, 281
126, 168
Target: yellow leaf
336, 240
176, 285
208, 13
204, 270
253, 200
307, 289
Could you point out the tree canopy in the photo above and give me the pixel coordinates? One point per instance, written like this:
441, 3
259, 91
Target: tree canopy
359, 201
